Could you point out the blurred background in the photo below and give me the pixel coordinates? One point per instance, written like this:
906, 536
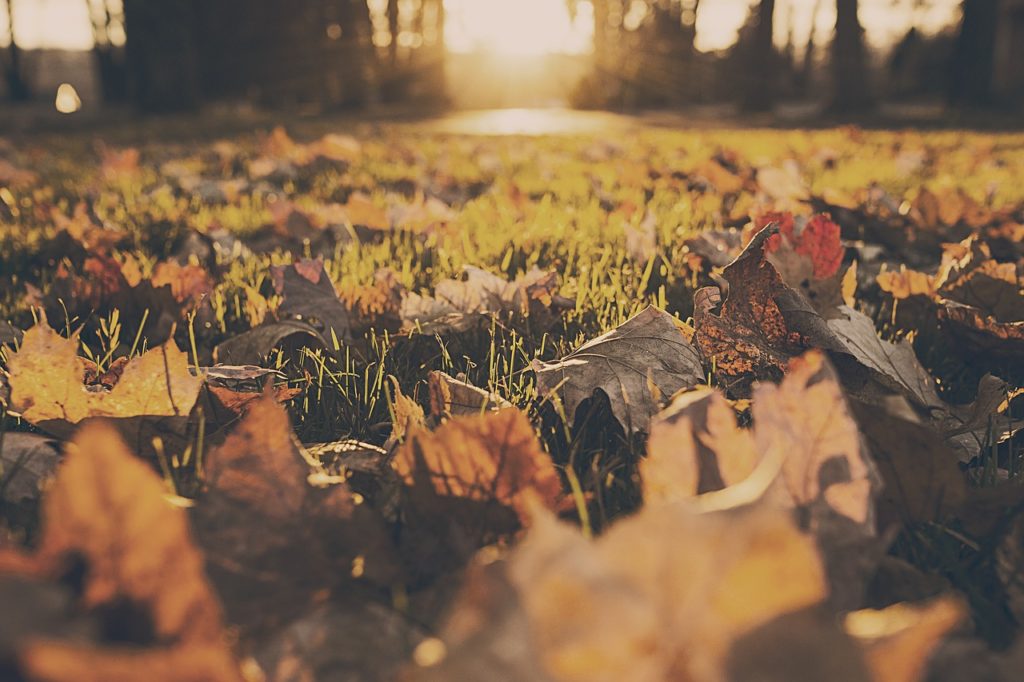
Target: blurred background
797, 58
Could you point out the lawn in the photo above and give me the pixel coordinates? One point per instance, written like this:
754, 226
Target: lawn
298, 404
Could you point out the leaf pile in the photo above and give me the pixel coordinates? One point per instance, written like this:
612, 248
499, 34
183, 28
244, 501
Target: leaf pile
393, 405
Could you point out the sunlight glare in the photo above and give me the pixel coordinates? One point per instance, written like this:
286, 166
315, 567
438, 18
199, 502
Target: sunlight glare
67, 100
520, 28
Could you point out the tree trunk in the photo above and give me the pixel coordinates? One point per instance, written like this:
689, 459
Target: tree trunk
760, 88
162, 54
849, 62
393, 29
17, 88
974, 55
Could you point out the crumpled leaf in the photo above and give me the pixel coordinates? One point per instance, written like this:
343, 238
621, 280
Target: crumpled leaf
47, 380
808, 256
451, 397
895, 365
253, 346
638, 364
695, 447
26, 461
276, 526
457, 305
803, 431
492, 457
108, 509
639, 604
309, 295
761, 323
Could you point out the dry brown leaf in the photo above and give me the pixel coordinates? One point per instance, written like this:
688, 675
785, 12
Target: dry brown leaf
47, 380
695, 446
109, 507
406, 414
922, 481
307, 294
459, 304
803, 431
898, 640
276, 527
109, 510
637, 365
49, 661
807, 419
749, 338
661, 596
493, 457
452, 397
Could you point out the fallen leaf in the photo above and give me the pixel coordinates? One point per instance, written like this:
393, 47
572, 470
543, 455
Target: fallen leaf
761, 323
894, 365
638, 603
457, 305
255, 345
308, 295
899, 640
921, 479
47, 380
108, 509
451, 397
27, 460
638, 364
275, 526
695, 447
492, 457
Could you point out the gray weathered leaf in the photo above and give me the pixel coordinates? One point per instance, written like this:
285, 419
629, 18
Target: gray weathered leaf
638, 365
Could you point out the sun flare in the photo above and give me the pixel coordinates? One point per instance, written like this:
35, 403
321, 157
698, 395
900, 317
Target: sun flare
519, 28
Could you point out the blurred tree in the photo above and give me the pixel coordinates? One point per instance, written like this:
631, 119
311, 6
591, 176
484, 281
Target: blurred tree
17, 88
851, 92
973, 63
161, 52
805, 75
759, 90
326, 53
108, 48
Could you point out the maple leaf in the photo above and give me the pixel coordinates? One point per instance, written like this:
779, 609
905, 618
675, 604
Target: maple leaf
108, 509
270, 514
637, 364
47, 380
804, 436
695, 446
492, 457
809, 260
638, 603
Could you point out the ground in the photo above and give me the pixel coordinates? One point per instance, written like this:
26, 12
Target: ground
835, 313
